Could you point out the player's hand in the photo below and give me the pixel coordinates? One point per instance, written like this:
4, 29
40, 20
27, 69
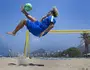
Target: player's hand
22, 9
41, 34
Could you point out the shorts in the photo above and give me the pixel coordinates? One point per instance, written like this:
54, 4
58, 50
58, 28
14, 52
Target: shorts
34, 27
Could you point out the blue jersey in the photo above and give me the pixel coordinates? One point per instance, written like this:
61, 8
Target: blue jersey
37, 27
46, 22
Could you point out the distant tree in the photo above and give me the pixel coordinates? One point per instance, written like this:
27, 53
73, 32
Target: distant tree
86, 38
56, 54
72, 52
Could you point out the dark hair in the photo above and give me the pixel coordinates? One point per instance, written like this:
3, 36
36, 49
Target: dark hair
54, 12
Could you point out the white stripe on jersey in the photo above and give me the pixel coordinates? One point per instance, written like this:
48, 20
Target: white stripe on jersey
52, 18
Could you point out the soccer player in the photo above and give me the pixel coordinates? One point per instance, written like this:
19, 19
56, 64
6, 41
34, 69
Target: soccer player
37, 28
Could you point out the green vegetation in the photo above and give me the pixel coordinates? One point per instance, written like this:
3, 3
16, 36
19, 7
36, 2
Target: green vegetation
72, 52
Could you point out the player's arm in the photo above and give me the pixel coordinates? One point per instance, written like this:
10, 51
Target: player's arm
49, 13
48, 29
27, 15
43, 17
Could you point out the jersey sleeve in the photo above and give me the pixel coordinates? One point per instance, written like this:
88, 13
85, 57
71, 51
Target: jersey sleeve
52, 19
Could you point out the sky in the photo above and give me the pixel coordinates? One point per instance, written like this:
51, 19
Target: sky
73, 14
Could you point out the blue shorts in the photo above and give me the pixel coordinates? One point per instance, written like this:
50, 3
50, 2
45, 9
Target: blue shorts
34, 27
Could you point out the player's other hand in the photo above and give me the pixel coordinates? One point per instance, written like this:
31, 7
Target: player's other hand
41, 34
22, 9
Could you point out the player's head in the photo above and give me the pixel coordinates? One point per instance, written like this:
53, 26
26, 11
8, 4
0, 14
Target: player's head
54, 11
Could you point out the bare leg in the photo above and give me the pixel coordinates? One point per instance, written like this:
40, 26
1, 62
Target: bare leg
28, 16
19, 26
31, 18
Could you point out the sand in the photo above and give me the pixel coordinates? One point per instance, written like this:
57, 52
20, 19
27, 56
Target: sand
68, 64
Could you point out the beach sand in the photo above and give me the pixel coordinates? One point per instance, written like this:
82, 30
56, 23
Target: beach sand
64, 64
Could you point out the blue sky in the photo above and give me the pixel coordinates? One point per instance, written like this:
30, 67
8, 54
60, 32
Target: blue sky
73, 14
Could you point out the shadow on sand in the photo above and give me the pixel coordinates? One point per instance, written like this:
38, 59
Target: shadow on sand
30, 64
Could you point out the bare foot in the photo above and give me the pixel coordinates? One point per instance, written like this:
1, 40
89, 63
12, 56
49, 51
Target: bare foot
11, 33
